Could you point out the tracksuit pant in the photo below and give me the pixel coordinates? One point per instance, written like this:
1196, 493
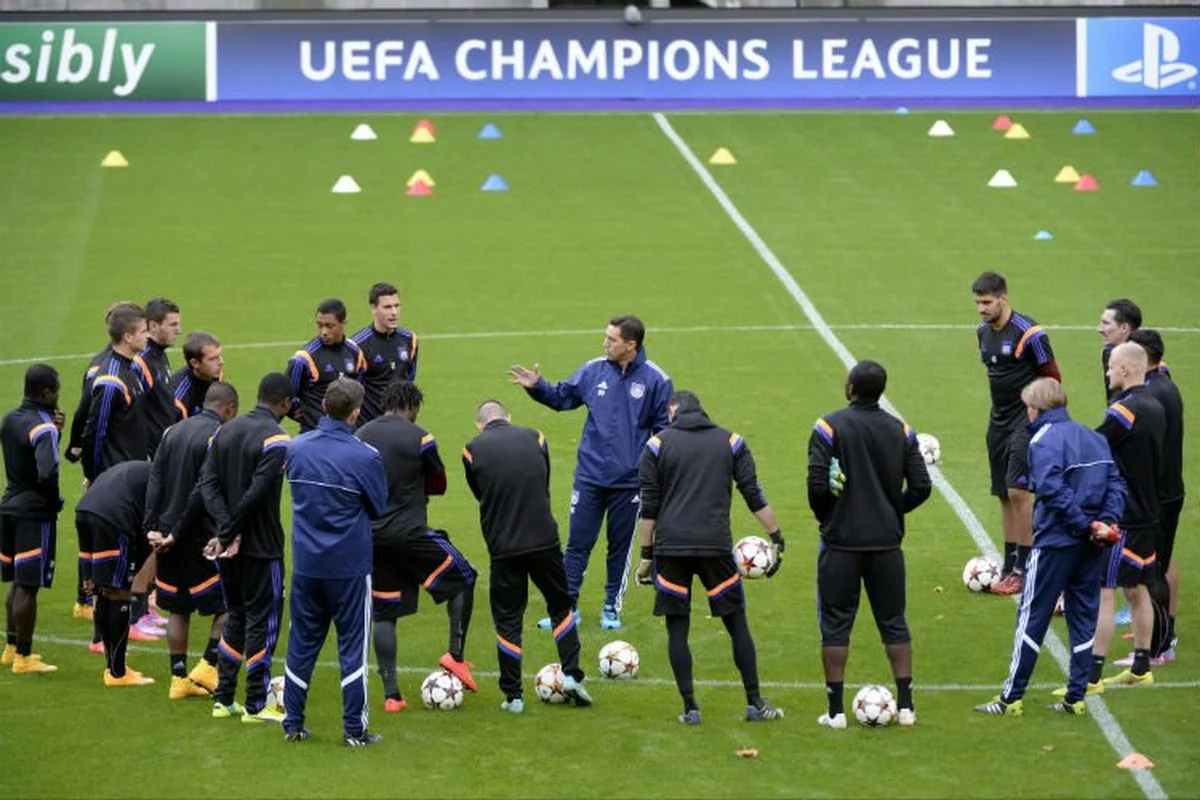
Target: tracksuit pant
253, 589
1074, 572
589, 506
315, 603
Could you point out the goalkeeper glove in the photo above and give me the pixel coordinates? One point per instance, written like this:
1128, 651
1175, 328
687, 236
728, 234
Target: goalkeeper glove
777, 548
837, 478
645, 566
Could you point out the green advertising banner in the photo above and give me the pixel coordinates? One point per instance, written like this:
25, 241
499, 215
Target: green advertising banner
103, 61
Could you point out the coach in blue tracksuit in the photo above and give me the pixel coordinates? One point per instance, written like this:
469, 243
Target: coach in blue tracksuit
1078, 497
626, 396
338, 485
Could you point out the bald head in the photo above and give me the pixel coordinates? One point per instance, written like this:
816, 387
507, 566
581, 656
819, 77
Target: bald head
489, 411
1127, 366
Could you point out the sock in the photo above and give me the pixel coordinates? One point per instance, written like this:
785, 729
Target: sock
210, 652
689, 701
1022, 558
24, 647
140, 606
1170, 630
1010, 557
680, 656
1141, 661
179, 665
1097, 669
11, 638
744, 655
458, 608
833, 692
97, 631
904, 693
115, 630
385, 657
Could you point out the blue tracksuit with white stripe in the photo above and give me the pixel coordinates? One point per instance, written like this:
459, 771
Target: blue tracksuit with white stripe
625, 408
1075, 483
338, 486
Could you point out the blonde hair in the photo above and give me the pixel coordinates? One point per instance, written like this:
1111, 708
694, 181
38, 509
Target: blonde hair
1044, 394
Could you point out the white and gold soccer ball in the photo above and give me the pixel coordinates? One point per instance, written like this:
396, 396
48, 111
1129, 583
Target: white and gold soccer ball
980, 573
442, 691
619, 661
753, 556
275, 693
548, 684
874, 706
930, 447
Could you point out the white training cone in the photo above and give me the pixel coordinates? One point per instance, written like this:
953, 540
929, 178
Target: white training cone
941, 129
363, 133
346, 185
1003, 179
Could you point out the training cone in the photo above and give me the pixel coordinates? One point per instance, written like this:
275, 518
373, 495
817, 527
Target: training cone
1087, 183
490, 131
494, 183
364, 133
420, 176
1016, 131
1135, 761
1003, 179
346, 185
1144, 178
902, 110
419, 189
1067, 175
1001, 123
422, 136
424, 125
1042, 236
722, 157
114, 159
1083, 128
941, 129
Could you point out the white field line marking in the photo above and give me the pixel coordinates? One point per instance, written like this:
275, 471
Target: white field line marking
464, 336
658, 682
1150, 786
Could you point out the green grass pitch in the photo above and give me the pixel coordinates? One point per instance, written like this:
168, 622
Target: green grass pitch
882, 226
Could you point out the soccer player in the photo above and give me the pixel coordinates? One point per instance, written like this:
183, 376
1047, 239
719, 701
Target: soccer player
205, 366
116, 423
177, 528
1160, 386
29, 513
408, 554
865, 472
109, 518
686, 474
508, 470
1079, 496
1119, 319
338, 486
626, 396
1135, 426
241, 483
162, 331
389, 351
322, 361
1016, 351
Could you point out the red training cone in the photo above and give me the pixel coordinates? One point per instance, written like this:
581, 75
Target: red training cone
1087, 184
1002, 123
419, 189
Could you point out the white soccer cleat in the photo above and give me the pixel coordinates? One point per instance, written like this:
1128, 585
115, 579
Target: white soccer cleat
906, 718
837, 721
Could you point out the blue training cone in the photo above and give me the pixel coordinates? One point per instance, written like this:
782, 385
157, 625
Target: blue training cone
1144, 178
902, 110
494, 183
1042, 236
490, 131
1083, 127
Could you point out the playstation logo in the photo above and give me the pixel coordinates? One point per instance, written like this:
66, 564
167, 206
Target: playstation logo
1159, 67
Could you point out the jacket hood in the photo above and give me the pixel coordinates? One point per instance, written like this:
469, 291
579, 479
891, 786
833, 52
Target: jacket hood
692, 421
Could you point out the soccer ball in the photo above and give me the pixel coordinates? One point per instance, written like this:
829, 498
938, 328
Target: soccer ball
980, 573
442, 691
619, 661
874, 706
275, 693
549, 684
930, 447
753, 556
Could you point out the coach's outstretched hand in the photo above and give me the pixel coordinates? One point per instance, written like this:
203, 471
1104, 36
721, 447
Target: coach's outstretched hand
777, 545
524, 376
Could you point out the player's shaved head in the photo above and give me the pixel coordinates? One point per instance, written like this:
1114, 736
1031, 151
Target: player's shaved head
220, 394
1127, 366
41, 382
489, 411
1130, 353
274, 388
1044, 394
866, 382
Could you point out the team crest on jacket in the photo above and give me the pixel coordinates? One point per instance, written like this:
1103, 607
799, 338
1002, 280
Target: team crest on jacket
349, 365
403, 353
1006, 349
636, 390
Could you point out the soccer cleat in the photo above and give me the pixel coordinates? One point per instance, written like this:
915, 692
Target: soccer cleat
575, 692
263, 715
610, 619
140, 634
997, 707
514, 706
1013, 583
1078, 708
297, 736
837, 721
9, 656
83, 611
545, 624
460, 670
155, 619
131, 678
765, 712
149, 624
204, 675
1157, 661
691, 717
361, 740
1127, 678
394, 705
906, 718
183, 687
1092, 688
1165, 657
31, 665
222, 711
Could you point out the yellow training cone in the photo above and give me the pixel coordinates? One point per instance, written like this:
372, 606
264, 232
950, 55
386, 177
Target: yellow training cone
421, 176
1017, 131
722, 157
1067, 175
114, 159
422, 136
